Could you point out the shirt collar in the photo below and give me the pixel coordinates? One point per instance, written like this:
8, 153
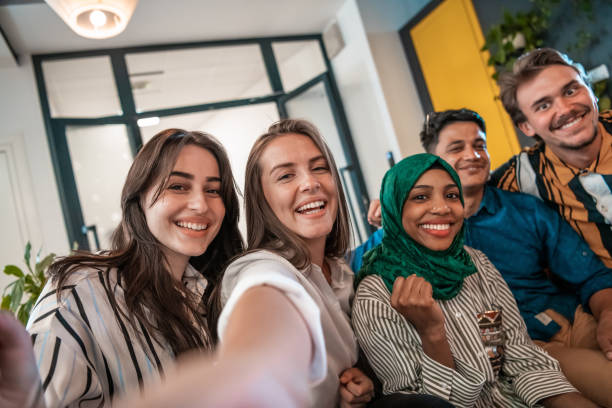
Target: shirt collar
194, 281
489, 202
566, 172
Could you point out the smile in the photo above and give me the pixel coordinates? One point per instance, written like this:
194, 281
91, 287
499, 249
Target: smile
311, 208
437, 227
572, 123
192, 226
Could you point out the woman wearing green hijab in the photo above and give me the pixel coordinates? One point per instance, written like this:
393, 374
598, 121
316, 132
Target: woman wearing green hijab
435, 317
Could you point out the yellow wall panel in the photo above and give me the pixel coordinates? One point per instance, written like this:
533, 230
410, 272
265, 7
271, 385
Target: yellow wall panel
448, 43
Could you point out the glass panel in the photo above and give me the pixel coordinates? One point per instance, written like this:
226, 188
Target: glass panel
298, 62
236, 128
101, 159
314, 105
81, 88
174, 78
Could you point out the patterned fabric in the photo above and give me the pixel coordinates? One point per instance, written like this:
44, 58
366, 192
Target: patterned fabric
539, 238
394, 349
399, 254
583, 197
85, 350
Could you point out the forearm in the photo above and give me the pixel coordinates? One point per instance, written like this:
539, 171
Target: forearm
435, 345
267, 360
601, 303
568, 400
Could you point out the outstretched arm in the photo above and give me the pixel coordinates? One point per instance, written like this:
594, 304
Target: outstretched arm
263, 361
20, 384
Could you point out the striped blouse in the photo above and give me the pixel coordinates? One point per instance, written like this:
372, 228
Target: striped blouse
85, 350
394, 349
583, 197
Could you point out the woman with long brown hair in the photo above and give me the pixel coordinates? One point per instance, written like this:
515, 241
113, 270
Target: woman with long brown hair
298, 232
111, 322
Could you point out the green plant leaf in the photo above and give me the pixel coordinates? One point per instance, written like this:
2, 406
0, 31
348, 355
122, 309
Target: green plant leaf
13, 270
6, 303
16, 295
44, 264
23, 314
26, 255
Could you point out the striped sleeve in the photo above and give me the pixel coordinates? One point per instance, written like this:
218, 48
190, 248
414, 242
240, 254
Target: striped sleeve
535, 374
394, 350
64, 363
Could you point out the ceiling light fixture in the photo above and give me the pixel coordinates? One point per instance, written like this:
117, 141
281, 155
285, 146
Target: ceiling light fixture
95, 18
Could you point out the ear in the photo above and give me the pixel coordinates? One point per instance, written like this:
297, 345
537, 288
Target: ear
527, 129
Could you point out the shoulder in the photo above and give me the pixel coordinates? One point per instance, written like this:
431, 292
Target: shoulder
372, 287
481, 261
258, 259
257, 268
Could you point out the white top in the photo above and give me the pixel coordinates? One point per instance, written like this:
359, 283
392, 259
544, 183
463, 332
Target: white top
324, 308
87, 353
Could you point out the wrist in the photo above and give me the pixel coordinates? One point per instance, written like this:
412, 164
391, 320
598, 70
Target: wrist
432, 334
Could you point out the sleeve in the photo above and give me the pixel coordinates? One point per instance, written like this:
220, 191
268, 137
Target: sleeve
355, 257
535, 375
504, 176
569, 257
262, 268
393, 348
67, 374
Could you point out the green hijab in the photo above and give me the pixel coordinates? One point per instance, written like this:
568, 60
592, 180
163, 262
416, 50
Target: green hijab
400, 255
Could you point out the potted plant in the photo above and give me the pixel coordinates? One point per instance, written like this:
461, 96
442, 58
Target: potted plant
29, 283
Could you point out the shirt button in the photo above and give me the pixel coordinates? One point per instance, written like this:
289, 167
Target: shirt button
584, 253
458, 315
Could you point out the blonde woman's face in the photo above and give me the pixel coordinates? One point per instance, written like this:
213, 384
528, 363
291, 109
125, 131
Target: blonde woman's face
299, 187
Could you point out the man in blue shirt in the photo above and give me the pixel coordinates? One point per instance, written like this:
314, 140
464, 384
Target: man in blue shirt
552, 272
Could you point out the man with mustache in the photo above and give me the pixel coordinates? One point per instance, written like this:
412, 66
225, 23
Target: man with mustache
548, 97
551, 271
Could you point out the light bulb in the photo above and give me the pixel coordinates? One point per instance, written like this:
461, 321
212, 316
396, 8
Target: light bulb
97, 18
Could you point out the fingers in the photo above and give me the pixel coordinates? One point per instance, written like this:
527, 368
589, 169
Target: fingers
12, 333
374, 213
354, 394
605, 343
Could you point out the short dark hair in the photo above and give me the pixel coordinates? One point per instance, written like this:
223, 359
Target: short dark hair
436, 121
527, 67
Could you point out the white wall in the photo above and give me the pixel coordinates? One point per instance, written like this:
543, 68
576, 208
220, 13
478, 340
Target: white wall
399, 90
21, 125
382, 20
363, 99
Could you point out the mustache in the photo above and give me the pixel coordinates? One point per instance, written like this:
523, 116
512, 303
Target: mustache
570, 116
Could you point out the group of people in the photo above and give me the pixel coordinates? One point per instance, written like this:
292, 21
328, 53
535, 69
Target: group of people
469, 295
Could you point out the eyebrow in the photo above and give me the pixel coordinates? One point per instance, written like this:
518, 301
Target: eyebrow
191, 177
290, 164
426, 186
547, 97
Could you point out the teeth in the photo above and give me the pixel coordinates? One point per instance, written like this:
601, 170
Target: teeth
439, 227
193, 226
570, 123
313, 205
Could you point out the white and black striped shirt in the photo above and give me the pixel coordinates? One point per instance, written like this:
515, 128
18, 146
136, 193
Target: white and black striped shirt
87, 353
394, 348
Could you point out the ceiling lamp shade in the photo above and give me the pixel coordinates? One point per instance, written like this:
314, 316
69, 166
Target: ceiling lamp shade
95, 18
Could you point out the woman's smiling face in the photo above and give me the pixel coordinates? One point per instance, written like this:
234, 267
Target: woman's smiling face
188, 213
299, 187
433, 214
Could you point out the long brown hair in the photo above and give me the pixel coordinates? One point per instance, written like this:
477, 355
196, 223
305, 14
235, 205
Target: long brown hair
153, 298
264, 229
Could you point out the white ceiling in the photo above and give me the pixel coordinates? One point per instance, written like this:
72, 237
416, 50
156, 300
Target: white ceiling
35, 28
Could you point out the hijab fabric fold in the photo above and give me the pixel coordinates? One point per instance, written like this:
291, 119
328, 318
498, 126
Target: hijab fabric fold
400, 255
